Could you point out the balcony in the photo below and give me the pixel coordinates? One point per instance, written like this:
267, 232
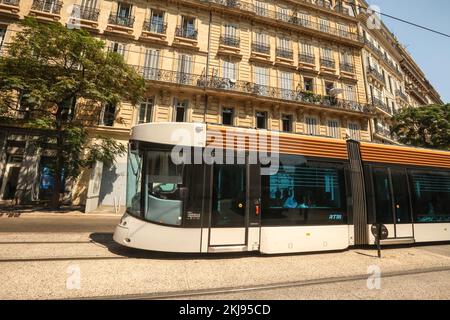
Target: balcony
379, 104
375, 75
154, 31
186, 33
10, 8
327, 63
230, 41
307, 58
401, 95
382, 56
86, 17
230, 46
121, 21
214, 83
291, 19
285, 53
347, 67
261, 48
384, 132
46, 9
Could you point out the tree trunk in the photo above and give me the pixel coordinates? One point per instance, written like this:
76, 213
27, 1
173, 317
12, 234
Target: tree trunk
59, 165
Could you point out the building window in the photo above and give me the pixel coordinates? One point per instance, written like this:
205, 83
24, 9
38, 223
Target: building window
187, 28
309, 84
123, 15
261, 75
333, 129
117, 47
108, 115
349, 93
311, 126
303, 19
354, 131
184, 69
286, 82
283, 14
324, 25
344, 30
228, 116
261, 120
261, 8
2, 36
157, 21
286, 122
151, 64
329, 86
146, 111
229, 70
180, 110
230, 36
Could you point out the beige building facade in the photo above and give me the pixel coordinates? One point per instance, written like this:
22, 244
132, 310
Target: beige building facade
307, 66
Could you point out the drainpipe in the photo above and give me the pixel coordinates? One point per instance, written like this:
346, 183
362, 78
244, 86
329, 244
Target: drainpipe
207, 66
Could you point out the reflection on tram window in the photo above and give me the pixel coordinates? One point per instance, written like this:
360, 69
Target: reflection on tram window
163, 203
383, 199
430, 197
303, 194
229, 193
134, 174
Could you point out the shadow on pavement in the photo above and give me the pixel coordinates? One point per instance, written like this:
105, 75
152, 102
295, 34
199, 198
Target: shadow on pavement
106, 239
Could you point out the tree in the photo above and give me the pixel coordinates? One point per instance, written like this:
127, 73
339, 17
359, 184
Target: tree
426, 126
57, 74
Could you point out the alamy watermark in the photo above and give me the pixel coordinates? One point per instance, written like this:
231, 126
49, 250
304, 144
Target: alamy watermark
374, 280
228, 147
73, 281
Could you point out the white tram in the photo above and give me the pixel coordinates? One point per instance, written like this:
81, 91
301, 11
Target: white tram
205, 188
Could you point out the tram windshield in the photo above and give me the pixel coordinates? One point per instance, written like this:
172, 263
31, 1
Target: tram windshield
161, 180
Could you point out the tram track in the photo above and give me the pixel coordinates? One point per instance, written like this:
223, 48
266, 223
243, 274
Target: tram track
262, 287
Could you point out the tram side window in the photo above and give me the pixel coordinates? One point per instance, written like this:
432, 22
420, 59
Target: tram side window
430, 196
304, 194
163, 201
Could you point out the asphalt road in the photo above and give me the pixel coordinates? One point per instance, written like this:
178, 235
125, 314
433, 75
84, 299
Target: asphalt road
59, 223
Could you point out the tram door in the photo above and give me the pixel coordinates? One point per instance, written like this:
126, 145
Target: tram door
392, 202
235, 208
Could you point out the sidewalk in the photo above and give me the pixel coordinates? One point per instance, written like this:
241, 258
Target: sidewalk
7, 210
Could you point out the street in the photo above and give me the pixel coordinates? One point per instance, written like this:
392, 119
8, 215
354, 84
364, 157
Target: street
56, 256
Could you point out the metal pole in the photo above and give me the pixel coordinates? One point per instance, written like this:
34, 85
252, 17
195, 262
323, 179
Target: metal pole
379, 239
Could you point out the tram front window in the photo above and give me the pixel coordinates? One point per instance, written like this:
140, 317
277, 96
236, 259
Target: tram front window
134, 174
163, 192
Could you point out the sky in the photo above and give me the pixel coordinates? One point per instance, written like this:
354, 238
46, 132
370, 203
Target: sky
430, 51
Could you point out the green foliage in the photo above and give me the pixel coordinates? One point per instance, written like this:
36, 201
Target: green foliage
427, 126
47, 68
104, 151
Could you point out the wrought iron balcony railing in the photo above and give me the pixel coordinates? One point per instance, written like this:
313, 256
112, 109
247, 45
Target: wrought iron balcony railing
261, 48
123, 21
381, 55
347, 67
401, 95
85, 13
48, 6
230, 41
187, 33
154, 27
292, 18
381, 105
307, 58
14, 3
327, 63
375, 73
246, 87
285, 53
385, 132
